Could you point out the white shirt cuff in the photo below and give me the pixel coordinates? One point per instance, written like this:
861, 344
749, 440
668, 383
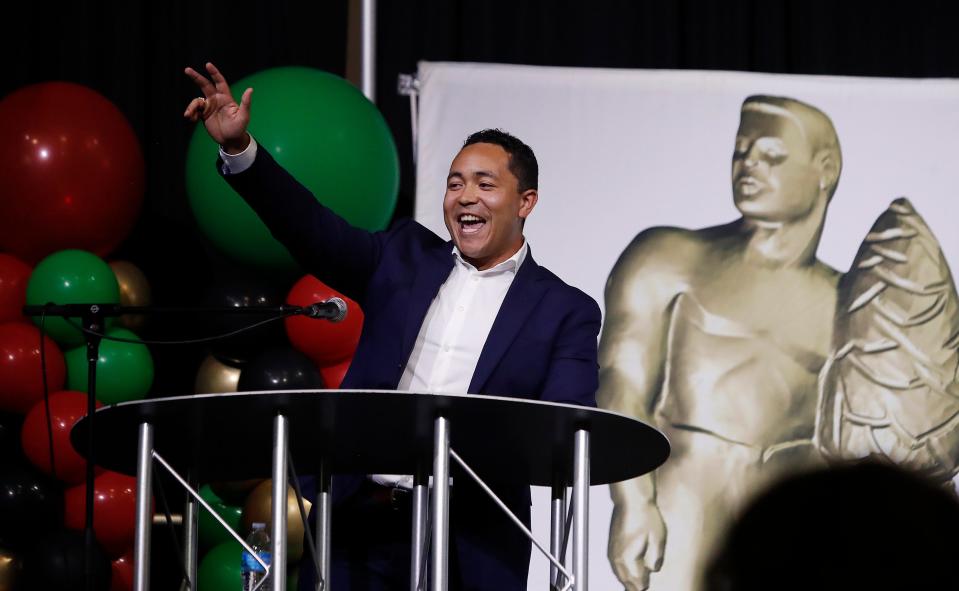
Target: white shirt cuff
237, 163
394, 480
399, 480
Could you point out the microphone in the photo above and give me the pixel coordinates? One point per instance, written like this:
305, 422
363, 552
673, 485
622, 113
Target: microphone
333, 309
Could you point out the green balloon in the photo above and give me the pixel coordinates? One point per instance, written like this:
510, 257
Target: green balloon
326, 134
124, 370
71, 277
220, 568
210, 532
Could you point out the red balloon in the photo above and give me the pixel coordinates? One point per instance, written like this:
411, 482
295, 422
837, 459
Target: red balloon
122, 579
324, 342
66, 409
71, 171
114, 510
14, 275
21, 379
333, 374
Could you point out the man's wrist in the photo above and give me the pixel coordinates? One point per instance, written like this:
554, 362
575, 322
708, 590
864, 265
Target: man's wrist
238, 146
242, 160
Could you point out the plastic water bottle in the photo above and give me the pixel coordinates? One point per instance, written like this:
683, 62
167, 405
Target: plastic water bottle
252, 571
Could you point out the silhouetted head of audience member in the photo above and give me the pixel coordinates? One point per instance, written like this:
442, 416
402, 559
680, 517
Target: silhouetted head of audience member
865, 526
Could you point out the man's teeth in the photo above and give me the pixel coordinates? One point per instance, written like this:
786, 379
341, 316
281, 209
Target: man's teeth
470, 219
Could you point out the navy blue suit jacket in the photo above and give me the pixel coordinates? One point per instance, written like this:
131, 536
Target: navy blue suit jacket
542, 344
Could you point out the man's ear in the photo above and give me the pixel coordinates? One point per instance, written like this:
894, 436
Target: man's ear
527, 201
828, 163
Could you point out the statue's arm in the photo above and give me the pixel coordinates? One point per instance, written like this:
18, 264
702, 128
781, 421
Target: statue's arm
632, 355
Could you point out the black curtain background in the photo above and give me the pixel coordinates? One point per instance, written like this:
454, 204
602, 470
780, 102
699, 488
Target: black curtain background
134, 53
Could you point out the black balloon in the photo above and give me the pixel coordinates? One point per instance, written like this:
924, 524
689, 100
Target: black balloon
10, 424
56, 563
31, 503
236, 292
280, 368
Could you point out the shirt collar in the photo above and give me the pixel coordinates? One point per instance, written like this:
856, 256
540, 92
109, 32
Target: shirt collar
509, 265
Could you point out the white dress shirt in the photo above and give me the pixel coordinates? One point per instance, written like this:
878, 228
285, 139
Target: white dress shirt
454, 332
456, 325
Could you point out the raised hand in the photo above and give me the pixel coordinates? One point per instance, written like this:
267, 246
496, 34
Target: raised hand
637, 538
224, 119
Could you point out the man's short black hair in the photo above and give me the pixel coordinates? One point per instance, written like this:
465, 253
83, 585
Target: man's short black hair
522, 161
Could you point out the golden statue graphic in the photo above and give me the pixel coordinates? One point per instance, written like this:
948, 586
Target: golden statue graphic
890, 388
717, 336
723, 337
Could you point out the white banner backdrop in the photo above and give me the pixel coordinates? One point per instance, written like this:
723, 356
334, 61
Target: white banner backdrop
623, 150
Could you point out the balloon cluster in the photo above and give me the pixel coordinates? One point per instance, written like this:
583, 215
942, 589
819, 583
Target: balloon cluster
71, 188
241, 504
313, 354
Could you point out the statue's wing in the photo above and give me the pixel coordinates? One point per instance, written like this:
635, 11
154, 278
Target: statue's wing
890, 387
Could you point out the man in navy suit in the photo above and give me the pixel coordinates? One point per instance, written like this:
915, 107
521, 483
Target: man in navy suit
475, 314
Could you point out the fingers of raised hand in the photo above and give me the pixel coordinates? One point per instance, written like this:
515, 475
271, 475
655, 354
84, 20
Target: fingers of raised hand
197, 108
218, 80
201, 81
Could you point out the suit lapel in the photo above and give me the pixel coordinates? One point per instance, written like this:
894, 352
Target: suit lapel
525, 292
429, 277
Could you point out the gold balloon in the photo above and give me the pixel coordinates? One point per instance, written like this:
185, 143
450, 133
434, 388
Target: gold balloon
134, 291
215, 377
257, 509
9, 570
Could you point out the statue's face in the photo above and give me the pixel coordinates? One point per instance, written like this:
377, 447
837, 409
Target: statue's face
774, 177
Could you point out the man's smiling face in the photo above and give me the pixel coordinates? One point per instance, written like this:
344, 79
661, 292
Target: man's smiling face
483, 207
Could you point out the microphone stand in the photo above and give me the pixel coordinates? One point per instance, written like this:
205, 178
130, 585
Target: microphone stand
93, 320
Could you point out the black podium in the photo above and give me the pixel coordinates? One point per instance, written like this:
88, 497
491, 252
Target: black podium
236, 436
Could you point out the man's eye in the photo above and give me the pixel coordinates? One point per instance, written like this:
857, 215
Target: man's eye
453, 186
486, 185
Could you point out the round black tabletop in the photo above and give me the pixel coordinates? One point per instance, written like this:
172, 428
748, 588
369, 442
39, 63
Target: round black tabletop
229, 436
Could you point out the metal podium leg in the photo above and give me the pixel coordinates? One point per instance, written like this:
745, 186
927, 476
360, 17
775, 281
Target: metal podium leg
441, 508
421, 497
581, 510
190, 520
323, 520
280, 443
144, 517
557, 529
